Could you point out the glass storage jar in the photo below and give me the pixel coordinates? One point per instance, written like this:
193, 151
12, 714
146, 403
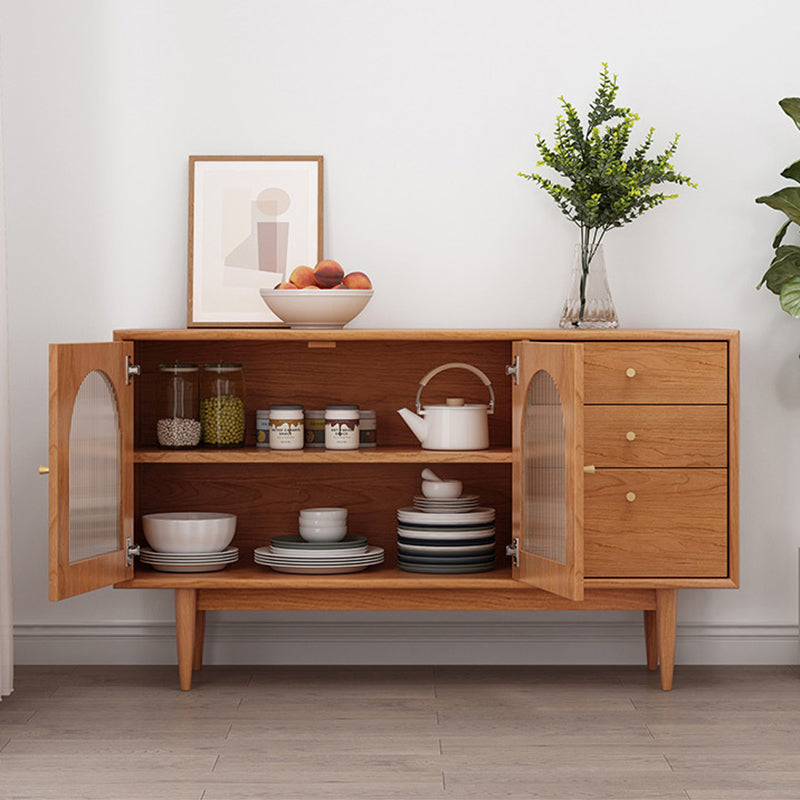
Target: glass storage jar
178, 422
222, 405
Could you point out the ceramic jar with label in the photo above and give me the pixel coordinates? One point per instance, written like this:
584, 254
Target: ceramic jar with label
315, 428
222, 405
262, 428
368, 428
178, 424
342, 427
286, 427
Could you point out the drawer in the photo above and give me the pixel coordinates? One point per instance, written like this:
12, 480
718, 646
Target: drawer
676, 527
656, 436
656, 372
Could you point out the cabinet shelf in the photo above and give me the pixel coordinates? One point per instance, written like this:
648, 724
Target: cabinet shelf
377, 455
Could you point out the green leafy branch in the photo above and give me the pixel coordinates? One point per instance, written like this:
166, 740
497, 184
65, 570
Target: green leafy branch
783, 275
605, 189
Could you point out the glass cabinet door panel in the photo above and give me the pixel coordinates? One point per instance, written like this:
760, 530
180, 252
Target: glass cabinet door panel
91, 466
548, 466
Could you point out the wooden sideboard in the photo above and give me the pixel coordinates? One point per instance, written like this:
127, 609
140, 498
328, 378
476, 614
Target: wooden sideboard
637, 430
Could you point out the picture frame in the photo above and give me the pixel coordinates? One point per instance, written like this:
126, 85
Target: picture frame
252, 220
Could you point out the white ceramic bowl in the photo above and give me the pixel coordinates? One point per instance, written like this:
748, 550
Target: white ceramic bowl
316, 308
323, 534
189, 531
442, 490
323, 514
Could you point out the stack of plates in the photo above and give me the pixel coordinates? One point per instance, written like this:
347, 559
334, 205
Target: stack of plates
445, 541
467, 502
189, 562
293, 554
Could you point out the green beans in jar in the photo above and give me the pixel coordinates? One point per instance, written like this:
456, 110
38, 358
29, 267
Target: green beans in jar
222, 407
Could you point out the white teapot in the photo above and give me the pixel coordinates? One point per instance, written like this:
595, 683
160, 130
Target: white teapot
453, 425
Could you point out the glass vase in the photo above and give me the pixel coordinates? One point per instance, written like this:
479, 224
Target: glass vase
589, 303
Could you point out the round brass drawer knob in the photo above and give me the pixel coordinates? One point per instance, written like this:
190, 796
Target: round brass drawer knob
630, 436
43, 470
630, 372
630, 497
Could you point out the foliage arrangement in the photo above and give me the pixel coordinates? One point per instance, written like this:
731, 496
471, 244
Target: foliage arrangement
606, 189
783, 275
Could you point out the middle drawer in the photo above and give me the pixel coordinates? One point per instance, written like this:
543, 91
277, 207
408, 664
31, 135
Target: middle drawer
656, 436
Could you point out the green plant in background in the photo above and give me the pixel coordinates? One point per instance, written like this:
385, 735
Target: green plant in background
606, 190
783, 275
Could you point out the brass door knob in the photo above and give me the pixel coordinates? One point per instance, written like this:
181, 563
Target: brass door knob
630, 372
44, 470
630, 497
630, 436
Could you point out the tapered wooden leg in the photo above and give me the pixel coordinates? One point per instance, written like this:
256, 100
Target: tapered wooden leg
650, 639
199, 638
185, 613
666, 620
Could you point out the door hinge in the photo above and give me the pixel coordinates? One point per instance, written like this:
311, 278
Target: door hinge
131, 551
513, 369
512, 551
131, 369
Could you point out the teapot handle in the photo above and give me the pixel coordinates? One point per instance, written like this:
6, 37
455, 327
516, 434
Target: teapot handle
482, 375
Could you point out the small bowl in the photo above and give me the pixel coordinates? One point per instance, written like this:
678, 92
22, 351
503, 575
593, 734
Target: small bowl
323, 534
442, 490
189, 531
328, 514
316, 308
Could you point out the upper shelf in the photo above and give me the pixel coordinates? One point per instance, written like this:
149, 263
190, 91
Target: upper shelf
376, 455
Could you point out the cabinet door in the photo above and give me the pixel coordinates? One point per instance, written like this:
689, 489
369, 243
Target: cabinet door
91, 466
548, 466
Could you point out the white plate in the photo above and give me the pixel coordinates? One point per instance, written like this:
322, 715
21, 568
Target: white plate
228, 560
317, 554
480, 514
445, 536
229, 552
188, 567
444, 549
326, 570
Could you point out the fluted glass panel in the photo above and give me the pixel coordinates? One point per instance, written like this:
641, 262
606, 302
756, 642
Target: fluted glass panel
94, 470
544, 529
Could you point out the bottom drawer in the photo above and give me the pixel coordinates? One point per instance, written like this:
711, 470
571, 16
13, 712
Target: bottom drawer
656, 523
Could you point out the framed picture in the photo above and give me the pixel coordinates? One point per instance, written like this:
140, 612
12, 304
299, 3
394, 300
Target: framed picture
252, 220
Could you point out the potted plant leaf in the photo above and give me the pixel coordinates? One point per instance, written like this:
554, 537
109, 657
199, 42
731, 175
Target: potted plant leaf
783, 275
605, 189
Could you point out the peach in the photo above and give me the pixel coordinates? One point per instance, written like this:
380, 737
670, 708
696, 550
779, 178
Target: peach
340, 286
328, 273
302, 277
315, 288
357, 280
284, 285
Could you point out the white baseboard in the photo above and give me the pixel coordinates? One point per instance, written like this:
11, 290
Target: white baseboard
403, 643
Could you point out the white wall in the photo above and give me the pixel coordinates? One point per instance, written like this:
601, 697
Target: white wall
425, 111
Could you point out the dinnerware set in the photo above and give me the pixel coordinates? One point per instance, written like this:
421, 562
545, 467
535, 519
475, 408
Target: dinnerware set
189, 541
445, 534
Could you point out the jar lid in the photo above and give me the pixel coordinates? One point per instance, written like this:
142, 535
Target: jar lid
341, 407
315, 414
222, 366
178, 367
285, 407
262, 413
368, 413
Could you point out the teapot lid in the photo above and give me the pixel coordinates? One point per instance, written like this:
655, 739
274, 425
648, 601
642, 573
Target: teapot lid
454, 401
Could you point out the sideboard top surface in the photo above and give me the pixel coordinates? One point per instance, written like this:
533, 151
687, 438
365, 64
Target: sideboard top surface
418, 334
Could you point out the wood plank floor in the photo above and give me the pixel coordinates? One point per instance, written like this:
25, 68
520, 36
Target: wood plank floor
400, 732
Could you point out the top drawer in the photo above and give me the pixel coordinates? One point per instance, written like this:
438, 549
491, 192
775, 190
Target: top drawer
656, 372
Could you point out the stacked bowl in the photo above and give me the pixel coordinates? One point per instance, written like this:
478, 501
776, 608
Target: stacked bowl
322, 547
189, 541
445, 532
